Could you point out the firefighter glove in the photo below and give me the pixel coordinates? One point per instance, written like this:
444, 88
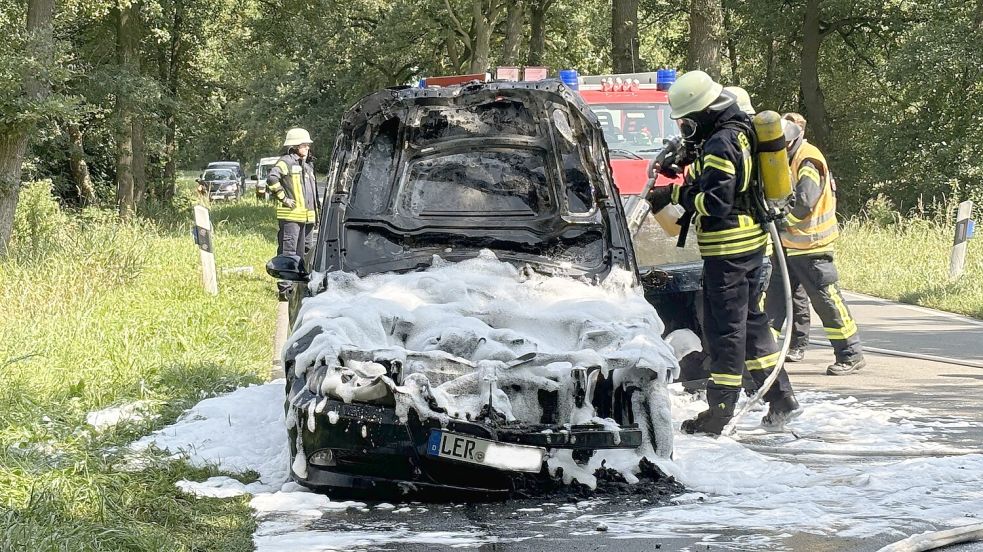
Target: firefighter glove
659, 197
289, 203
674, 154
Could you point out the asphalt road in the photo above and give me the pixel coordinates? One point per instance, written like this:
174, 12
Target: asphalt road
942, 387
938, 387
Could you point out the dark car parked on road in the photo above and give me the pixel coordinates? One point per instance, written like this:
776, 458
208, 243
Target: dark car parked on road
233, 166
220, 184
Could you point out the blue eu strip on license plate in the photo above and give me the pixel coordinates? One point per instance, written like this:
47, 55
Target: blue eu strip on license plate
433, 446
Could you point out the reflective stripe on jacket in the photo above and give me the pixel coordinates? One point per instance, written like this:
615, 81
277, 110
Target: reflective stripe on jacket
718, 191
290, 178
811, 225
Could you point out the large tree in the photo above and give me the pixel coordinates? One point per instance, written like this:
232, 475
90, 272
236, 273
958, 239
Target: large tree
514, 27
624, 37
537, 30
706, 35
15, 133
127, 40
475, 36
812, 92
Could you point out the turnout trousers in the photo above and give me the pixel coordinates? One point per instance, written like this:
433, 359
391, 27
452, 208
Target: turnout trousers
814, 278
293, 238
737, 330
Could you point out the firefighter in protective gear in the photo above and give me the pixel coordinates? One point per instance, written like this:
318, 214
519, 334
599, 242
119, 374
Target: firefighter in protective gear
717, 193
808, 235
292, 182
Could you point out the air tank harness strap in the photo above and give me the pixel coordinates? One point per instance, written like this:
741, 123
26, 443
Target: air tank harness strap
684, 222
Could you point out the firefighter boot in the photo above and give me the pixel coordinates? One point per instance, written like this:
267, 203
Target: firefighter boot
713, 420
781, 411
795, 354
844, 367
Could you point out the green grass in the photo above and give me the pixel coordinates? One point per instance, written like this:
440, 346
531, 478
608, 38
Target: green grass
97, 312
908, 261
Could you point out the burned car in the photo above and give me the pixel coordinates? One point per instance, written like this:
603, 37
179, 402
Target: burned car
473, 318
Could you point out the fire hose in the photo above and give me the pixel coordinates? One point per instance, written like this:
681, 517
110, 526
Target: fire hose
786, 342
937, 539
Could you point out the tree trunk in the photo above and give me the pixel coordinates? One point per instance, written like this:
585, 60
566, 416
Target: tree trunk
13, 140
171, 82
812, 94
537, 31
139, 162
169, 183
706, 21
80, 169
13, 146
484, 14
513, 34
769, 44
126, 57
731, 46
624, 37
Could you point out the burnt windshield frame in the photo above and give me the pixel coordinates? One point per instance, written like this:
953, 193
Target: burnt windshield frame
365, 118
548, 205
375, 197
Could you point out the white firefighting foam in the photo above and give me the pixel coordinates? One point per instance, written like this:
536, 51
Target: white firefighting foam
733, 488
482, 329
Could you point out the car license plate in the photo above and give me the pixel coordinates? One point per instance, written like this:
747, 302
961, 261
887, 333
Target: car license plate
503, 456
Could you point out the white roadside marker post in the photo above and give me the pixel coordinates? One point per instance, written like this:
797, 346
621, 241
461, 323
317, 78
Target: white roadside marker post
964, 231
202, 233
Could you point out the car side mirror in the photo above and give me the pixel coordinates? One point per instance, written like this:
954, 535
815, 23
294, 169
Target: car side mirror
288, 267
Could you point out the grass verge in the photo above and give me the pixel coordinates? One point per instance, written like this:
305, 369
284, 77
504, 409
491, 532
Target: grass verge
96, 312
908, 261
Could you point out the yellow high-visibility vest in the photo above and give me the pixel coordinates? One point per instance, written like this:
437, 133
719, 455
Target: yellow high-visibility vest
819, 228
292, 176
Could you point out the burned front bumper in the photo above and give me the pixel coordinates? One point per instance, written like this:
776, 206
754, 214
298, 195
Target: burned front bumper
367, 451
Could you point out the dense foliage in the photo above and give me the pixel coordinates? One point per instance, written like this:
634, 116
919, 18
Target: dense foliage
893, 88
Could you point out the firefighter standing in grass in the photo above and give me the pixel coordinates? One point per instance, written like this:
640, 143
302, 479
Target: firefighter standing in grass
718, 194
292, 182
808, 235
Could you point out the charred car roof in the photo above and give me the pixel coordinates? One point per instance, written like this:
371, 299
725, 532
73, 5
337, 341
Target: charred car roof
517, 168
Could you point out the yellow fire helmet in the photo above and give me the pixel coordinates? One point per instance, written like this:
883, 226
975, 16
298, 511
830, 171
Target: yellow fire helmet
296, 137
691, 93
742, 97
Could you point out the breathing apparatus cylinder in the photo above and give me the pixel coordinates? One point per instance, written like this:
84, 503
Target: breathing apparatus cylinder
772, 157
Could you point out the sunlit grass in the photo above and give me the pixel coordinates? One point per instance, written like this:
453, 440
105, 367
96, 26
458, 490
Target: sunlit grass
909, 262
95, 312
